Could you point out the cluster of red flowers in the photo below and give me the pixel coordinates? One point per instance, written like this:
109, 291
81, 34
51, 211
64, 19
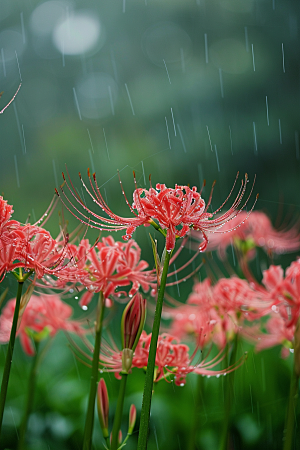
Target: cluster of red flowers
45, 315
212, 313
27, 246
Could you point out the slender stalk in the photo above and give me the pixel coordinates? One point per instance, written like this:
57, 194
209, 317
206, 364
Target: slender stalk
9, 354
118, 413
195, 427
229, 389
147, 395
89, 421
290, 417
30, 397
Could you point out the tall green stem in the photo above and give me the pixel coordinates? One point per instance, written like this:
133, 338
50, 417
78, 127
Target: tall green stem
89, 421
9, 354
290, 417
29, 399
118, 413
229, 389
195, 427
147, 395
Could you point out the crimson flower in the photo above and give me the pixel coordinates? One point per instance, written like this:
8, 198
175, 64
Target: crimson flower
105, 266
174, 211
28, 246
44, 314
172, 358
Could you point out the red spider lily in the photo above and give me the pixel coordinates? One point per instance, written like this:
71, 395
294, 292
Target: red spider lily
277, 333
10, 230
45, 312
217, 313
176, 210
283, 294
28, 246
107, 266
254, 230
172, 358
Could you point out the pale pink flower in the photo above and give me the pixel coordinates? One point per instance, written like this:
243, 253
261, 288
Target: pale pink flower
257, 230
217, 313
42, 312
277, 333
177, 210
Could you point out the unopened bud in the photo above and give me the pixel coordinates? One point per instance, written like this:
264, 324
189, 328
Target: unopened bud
132, 322
103, 407
120, 438
132, 419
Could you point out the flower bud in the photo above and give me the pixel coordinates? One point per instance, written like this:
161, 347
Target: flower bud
120, 437
103, 407
132, 322
132, 419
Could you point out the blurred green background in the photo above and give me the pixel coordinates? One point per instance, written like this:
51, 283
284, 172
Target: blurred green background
184, 90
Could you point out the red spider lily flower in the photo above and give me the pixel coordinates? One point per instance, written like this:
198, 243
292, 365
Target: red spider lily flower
28, 246
10, 230
103, 407
277, 333
176, 210
256, 230
172, 358
217, 313
45, 314
107, 266
283, 293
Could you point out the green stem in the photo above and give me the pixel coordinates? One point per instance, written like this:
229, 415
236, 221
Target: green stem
229, 390
9, 354
147, 395
29, 399
290, 418
195, 427
89, 421
118, 413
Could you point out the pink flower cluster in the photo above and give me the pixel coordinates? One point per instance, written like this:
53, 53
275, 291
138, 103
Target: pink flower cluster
217, 313
44, 313
106, 266
284, 292
256, 229
30, 247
